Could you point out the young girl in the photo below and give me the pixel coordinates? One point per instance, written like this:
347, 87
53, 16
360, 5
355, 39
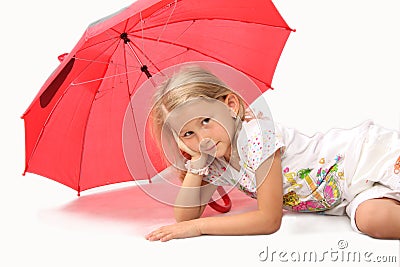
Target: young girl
344, 171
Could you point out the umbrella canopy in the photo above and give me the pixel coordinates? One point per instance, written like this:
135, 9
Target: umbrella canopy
73, 127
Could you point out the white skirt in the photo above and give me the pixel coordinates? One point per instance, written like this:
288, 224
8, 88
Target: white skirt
379, 160
377, 173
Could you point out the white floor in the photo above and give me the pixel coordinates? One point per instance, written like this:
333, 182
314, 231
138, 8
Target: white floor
339, 68
46, 225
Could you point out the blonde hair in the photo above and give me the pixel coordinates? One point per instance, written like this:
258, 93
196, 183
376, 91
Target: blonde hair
187, 84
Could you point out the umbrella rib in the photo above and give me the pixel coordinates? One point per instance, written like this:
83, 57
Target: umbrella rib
115, 39
151, 62
142, 29
42, 131
104, 78
177, 55
164, 24
198, 51
132, 32
141, 26
93, 61
176, 39
135, 86
102, 62
224, 19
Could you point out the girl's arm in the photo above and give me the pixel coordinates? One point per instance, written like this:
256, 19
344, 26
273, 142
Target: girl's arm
266, 219
194, 193
192, 197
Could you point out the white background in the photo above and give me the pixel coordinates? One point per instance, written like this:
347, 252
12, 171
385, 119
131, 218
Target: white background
340, 68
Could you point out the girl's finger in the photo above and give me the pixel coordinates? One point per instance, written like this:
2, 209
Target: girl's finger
153, 234
166, 238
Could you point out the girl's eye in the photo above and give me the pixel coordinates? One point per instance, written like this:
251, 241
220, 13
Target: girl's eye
206, 121
187, 134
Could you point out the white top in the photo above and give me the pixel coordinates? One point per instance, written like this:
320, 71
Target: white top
314, 168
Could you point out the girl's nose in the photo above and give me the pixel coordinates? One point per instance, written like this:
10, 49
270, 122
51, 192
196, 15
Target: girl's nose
203, 137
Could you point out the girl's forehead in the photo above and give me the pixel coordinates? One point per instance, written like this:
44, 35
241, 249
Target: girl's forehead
195, 108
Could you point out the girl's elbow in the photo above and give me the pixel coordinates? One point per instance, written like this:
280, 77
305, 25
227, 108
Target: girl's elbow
275, 226
185, 216
272, 225
179, 217
183, 219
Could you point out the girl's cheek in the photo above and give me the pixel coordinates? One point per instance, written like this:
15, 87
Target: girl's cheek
191, 146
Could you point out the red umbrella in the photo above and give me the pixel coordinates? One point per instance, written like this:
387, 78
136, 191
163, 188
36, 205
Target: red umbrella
73, 127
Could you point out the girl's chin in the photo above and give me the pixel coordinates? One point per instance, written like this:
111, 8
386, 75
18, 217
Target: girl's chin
218, 152
215, 154
218, 155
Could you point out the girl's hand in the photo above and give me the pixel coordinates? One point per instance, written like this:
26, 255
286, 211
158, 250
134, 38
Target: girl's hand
198, 159
178, 230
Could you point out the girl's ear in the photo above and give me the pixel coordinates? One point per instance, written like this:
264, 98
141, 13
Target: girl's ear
232, 102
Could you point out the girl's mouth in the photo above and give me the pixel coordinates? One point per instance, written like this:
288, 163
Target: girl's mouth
212, 147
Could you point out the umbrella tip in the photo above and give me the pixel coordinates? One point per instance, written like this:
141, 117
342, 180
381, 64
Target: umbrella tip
62, 57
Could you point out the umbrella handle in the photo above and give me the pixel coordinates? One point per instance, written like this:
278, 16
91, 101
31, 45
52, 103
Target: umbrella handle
227, 201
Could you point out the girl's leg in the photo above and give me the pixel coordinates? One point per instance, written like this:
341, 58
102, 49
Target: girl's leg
379, 218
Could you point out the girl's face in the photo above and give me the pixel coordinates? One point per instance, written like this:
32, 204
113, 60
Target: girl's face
204, 125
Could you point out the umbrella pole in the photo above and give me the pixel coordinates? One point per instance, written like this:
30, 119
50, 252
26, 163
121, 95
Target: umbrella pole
143, 68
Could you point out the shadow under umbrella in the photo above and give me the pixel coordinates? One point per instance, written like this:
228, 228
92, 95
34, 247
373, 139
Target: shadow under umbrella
130, 209
134, 204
